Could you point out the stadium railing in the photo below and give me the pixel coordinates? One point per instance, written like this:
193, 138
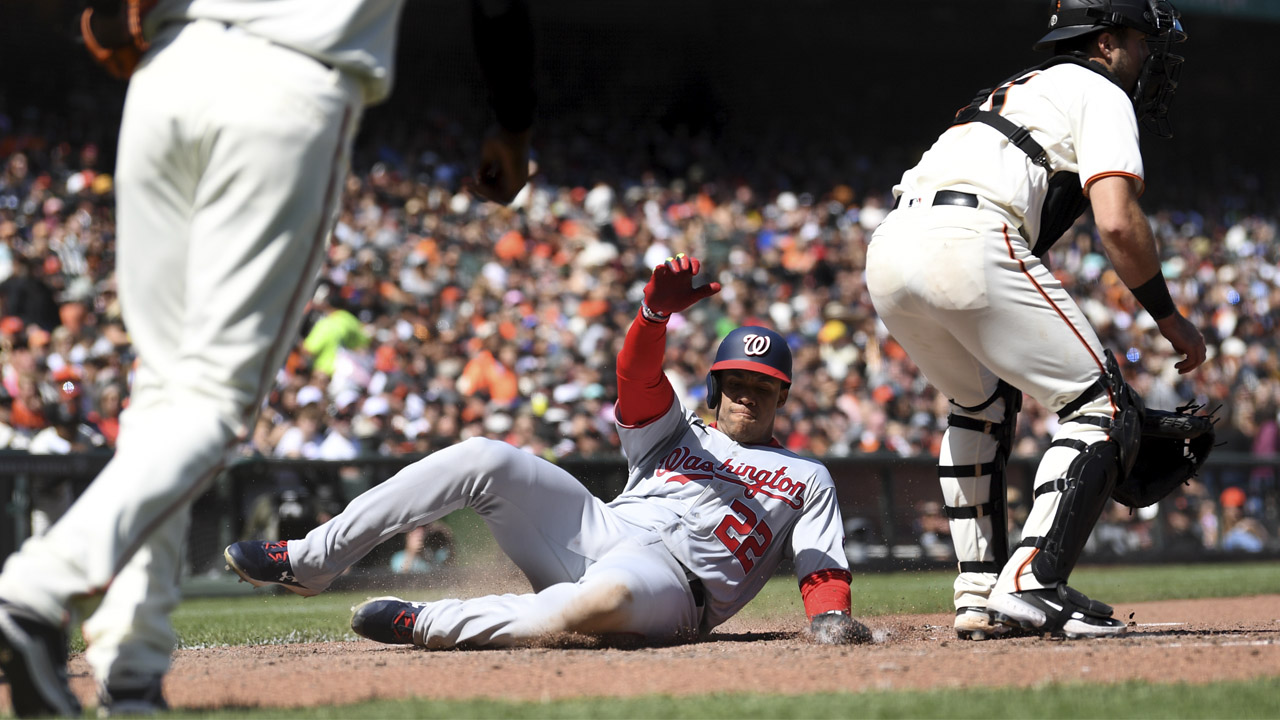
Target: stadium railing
880, 495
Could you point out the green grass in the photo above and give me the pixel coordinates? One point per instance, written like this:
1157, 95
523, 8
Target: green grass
1253, 699
930, 592
267, 617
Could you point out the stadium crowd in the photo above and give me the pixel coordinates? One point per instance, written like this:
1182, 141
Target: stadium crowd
439, 317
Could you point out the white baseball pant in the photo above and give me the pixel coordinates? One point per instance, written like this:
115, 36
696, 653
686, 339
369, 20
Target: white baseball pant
232, 156
961, 292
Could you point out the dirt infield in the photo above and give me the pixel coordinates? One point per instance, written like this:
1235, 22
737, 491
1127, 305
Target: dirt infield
1197, 641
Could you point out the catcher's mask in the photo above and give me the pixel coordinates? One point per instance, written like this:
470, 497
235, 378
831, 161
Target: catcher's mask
1158, 19
751, 348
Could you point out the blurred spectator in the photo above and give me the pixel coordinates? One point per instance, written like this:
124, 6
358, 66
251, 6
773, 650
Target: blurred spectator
933, 531
1182, 534
69, 431
10, 438
1240, 531
1120, 532
26, 296
426, 548
106, 416
337, 329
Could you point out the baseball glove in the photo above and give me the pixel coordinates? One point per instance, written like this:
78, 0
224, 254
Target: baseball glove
1174, 446
112, 32
837, 628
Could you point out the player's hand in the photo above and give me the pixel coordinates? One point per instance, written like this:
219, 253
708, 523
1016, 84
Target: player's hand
504, 164
1185, 339
837, 628
671, 290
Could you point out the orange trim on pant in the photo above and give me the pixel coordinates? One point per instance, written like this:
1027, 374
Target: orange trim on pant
1017, 578
1101, 366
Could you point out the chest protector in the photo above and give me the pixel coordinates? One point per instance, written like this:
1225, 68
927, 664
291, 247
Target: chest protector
1064, 202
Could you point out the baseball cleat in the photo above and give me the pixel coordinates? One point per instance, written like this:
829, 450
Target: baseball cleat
144, 699
975, 623
387, 620
261, 563
33, 656
1059, 611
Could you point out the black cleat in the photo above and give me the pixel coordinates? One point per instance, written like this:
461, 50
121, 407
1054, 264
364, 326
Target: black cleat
387, 620
132, 700
1060, 611
261, 563
33, 656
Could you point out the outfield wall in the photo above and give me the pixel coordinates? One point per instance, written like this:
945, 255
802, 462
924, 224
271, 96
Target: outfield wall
882, 499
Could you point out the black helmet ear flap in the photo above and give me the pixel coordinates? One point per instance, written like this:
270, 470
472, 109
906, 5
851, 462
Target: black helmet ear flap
713, 390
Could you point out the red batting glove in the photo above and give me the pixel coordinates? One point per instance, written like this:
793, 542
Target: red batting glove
671, 289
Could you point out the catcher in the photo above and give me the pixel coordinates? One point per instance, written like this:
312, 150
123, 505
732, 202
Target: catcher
707, 514
955, 272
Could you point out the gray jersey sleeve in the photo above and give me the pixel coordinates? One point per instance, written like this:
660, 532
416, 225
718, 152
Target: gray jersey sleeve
817, 540
644, 445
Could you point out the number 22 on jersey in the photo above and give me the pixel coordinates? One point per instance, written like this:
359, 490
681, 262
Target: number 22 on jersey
746, 537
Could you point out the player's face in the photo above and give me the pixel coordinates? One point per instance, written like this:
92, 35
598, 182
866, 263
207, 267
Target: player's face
748, 403
1127, 57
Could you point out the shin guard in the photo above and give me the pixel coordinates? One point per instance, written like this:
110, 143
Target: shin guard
971, 470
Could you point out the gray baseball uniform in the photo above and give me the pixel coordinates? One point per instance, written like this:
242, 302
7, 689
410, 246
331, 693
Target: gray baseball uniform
699, 508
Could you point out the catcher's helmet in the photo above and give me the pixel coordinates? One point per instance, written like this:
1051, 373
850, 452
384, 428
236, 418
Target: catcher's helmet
1158, 19
1073, 18
752, 348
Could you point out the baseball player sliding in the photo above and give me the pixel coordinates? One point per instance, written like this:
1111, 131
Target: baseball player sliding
955, 272
707, 513
234, 145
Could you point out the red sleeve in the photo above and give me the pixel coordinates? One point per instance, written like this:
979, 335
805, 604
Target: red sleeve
644, 393
826, 590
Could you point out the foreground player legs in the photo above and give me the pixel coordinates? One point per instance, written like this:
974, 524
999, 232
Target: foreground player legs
127, 641
223, 216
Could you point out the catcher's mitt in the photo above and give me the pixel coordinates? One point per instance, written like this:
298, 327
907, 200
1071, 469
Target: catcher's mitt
112, 32
1174, 446
837, 628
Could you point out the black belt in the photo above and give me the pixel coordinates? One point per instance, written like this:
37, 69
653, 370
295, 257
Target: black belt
947, 197
698, 592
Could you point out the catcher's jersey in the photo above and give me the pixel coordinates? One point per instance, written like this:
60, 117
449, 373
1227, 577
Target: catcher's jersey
358, 36
726, 511
1085, 123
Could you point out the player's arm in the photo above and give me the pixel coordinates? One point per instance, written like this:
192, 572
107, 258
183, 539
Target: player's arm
644, 393
503, 38
1131, 246
817, 544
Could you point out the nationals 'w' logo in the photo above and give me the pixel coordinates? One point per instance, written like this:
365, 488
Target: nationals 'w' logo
755, 345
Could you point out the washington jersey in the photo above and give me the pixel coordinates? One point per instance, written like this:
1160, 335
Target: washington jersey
728, 512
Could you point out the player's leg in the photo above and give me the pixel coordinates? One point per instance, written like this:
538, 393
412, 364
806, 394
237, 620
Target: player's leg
129, 642
922, 296
226, 178
636, 589
971, 468
543, 518
1055, 357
